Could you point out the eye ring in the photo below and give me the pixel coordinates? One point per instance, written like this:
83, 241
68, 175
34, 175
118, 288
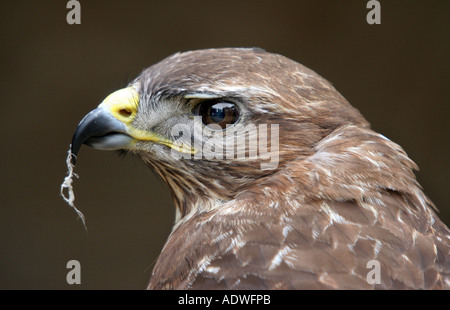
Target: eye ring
217, 112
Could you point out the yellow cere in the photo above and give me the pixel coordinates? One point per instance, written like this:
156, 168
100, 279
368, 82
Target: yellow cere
123, 105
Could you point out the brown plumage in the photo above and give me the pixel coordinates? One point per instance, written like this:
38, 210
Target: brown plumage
340, 196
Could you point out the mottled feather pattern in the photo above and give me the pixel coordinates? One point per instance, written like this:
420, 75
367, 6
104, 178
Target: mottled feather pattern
341, 196
320, 235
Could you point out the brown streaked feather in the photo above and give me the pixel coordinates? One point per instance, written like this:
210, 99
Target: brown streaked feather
316, 241
306, 261
342, 194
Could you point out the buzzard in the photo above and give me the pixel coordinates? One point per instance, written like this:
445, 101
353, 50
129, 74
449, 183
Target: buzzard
278, 182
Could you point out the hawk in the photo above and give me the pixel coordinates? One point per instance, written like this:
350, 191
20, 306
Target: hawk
329, 199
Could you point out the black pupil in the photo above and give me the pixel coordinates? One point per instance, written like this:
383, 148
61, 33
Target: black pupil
220, 113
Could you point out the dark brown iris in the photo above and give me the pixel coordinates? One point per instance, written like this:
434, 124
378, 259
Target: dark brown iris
218, 112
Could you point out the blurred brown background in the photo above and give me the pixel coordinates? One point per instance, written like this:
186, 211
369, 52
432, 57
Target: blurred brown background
52, 74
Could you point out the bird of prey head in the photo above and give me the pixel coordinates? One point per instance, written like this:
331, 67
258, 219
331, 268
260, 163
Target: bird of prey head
318, 197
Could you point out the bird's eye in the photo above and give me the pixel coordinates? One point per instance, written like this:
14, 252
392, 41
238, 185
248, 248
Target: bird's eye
217, 112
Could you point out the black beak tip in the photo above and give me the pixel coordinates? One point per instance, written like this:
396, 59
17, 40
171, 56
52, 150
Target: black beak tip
73, 159
96, 124
74, 149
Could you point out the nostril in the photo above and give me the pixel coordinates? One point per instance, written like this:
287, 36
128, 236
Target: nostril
125, 112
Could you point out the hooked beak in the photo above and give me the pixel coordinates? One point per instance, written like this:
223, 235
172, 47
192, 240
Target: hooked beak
100, 130
109, 127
